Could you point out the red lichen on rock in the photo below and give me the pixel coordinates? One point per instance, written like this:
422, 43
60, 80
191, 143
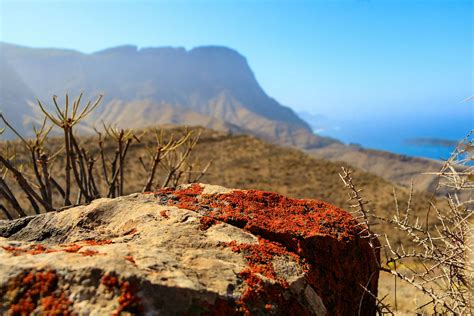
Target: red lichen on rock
129, 258
14, 250
327, 237
32, 250
182, 198
36, 292
41, 249
110, 281
89, 253
206, 222
262, 295
127, 300
56, 305
92, 242
72, 248
259, 256
267, 213
192, 190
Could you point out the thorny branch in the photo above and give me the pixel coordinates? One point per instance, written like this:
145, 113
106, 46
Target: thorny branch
440, 261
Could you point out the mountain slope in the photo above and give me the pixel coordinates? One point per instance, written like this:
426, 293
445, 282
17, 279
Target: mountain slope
212, 81
14, 94
399, 169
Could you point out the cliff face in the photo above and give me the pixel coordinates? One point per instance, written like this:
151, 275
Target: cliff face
197, 249
212, 81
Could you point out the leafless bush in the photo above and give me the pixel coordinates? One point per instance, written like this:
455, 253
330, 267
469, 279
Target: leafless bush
80, 173
438, 261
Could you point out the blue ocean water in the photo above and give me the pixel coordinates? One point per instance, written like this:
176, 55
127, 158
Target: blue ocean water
399, 135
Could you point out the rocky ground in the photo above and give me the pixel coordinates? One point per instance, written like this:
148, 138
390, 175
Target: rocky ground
199, 249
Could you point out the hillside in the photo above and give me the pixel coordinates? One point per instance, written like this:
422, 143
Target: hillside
245, 162
212, 81
396, 168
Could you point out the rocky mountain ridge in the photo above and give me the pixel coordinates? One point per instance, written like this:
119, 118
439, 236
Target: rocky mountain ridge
211, 81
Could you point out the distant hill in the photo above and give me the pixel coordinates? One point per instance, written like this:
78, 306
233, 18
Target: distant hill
246, 162
211, 81
399, 169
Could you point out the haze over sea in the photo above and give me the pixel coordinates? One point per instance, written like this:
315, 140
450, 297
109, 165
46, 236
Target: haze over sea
429, 136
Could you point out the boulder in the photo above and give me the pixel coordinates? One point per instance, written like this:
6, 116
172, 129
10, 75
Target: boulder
197, 249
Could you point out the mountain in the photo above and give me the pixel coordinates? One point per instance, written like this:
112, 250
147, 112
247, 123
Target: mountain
14, 95
211, 81
206, 86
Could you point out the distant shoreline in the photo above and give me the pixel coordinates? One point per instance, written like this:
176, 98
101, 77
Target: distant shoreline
432, 142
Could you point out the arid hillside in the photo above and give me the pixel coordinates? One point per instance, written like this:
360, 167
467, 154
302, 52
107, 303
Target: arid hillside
396, 168
245, 162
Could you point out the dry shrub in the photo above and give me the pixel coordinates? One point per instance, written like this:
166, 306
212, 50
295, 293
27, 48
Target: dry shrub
61, 173
436, 257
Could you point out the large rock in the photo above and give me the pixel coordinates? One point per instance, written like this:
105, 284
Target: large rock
197, 249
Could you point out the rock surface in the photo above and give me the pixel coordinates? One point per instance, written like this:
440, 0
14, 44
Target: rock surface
199, 249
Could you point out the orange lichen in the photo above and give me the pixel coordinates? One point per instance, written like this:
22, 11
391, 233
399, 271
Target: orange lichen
182, 198
327, 237
260, 261
72, 248
130, 259
164, 214
14, 250
192, 190
32, 250
92, 242
259, 256
206, 222
37, 292
39, 249
56, 305
127, 300
110, 281
89, 253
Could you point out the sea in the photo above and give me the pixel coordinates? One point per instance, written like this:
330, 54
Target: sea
427, 137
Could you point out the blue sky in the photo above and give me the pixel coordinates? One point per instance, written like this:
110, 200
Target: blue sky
345, 59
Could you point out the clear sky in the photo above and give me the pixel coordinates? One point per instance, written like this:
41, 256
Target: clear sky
337, 58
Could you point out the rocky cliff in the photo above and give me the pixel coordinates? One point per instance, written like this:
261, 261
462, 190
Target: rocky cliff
197, 249
212, 81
